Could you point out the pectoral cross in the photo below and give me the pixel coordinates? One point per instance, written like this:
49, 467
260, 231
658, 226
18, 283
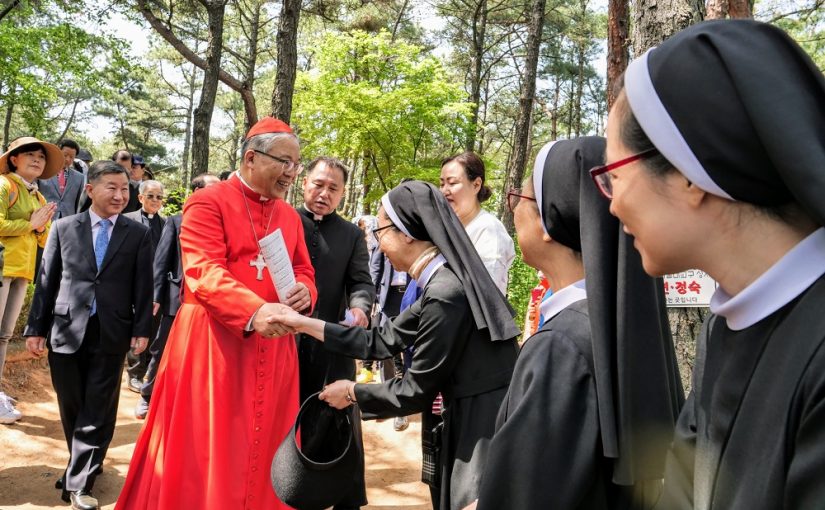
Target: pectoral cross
259, 264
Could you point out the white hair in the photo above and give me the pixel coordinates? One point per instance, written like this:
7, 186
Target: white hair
148, 184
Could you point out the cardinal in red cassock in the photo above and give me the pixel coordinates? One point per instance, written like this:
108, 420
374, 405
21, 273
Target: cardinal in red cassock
226, 393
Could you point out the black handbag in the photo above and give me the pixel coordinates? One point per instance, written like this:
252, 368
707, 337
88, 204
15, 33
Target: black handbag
322, 471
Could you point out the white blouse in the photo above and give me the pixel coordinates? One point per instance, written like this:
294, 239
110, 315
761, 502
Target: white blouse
494, 246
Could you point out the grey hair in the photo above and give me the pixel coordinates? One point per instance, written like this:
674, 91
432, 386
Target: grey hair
146, 184
264, 142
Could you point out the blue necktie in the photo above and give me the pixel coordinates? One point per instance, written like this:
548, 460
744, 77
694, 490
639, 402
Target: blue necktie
101, 243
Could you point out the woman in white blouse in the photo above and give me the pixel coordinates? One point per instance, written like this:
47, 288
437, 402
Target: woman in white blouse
462, 183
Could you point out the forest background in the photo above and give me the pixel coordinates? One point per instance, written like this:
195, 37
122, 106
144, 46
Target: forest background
389, 86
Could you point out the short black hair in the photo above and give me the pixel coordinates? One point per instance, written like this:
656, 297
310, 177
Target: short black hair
330, 162
103, 167
225, 175
70, 144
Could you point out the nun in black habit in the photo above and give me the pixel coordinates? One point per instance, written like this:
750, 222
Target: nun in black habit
595, 393
717, 151
461, 328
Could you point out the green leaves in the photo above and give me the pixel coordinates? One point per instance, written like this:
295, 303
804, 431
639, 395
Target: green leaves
384, 104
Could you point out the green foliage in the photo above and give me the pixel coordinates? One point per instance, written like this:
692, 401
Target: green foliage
522, 280
804, 20
174, 201
384, 104
47, 62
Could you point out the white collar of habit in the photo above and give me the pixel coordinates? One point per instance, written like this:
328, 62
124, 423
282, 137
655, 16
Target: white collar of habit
262, 198
429, 270
560, 300
782, 283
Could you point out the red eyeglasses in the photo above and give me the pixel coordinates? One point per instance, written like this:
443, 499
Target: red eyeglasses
600, 173
513, 197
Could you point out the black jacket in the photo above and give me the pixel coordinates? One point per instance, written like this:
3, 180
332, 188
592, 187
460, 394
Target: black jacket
69, 281
168, 268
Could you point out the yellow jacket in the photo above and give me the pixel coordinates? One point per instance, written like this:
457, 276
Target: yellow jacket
16, 233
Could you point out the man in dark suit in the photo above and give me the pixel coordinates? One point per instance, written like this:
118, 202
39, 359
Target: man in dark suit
151, 199
65, 188
339, 255
168, 279
94, 302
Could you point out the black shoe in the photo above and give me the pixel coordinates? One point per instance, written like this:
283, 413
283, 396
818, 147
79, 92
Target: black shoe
58, 484
82, 500
135, 384
64, 495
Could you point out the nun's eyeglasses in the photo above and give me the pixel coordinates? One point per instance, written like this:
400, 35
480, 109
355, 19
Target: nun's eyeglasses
600, 173
513, 196
375, 232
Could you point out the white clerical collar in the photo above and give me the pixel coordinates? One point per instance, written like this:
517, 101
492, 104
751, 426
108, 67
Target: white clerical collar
560, 300
96, 219
428, 271
262, 198
782, 283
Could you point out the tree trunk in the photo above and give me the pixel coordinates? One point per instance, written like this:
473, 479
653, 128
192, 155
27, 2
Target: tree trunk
721, 9
617, 41
656, 20
252, 58
521, 139
187, 138
7, 125
5, 12
227, 79
70, 121
287, 60
206, 105
479, 28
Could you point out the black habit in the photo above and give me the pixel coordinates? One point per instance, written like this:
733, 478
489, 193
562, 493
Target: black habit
451, 355
342, 276
729, 453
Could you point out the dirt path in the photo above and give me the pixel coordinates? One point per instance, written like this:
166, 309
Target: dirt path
33, 451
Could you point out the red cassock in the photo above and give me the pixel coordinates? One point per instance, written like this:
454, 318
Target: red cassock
222, 401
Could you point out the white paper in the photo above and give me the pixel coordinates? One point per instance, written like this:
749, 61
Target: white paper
277, 261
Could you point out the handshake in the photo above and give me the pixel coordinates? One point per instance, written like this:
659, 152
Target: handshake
278, 319
275, 319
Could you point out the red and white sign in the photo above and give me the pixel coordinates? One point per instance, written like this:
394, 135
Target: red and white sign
690, 288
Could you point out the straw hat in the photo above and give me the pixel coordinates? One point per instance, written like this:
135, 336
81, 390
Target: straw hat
54, 156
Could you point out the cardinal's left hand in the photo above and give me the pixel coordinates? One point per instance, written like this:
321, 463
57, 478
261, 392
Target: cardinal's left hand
298, 297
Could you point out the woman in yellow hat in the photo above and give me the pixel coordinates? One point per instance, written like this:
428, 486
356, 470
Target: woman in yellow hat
24, 225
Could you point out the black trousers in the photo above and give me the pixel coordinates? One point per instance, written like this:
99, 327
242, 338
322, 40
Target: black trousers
155, 354
138, 364
87, 383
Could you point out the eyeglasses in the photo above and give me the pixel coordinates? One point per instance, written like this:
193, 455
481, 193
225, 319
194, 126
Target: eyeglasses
602, 178
287, 163
375, 232
151, 196
513, 197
